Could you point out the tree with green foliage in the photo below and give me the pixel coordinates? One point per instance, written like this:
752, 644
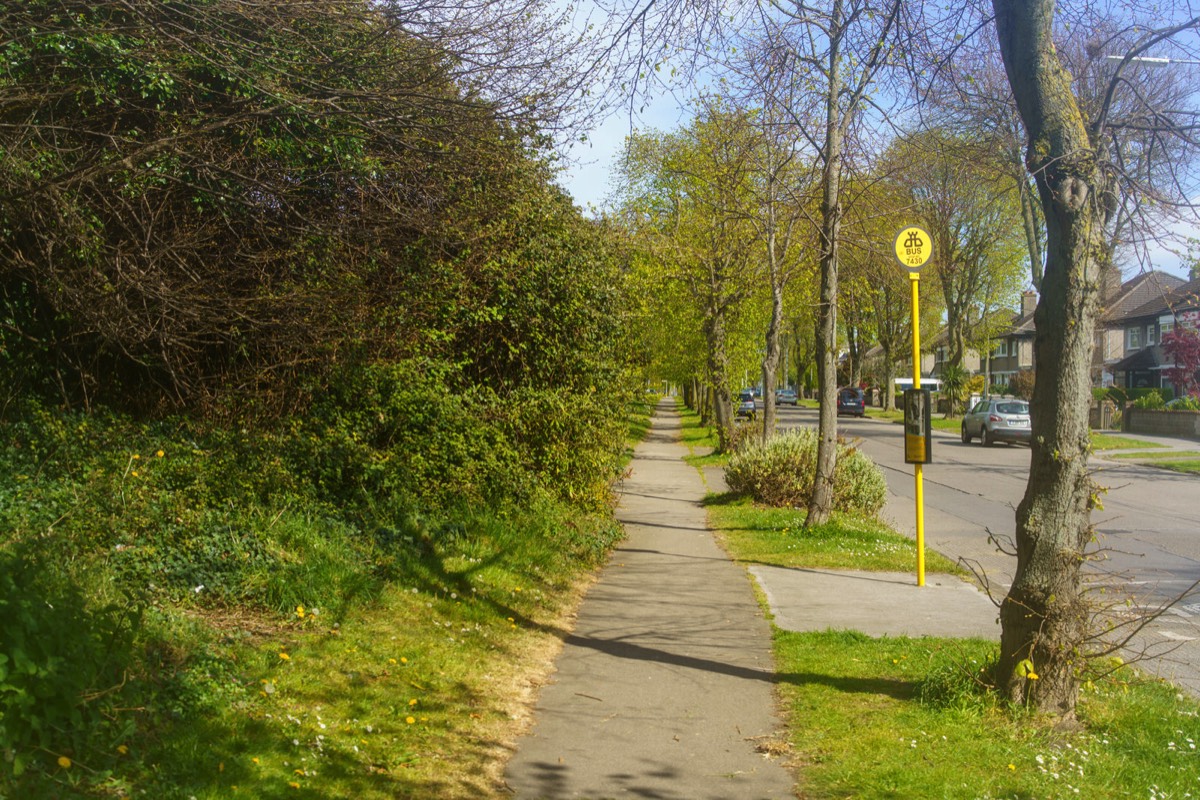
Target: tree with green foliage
961, 194
686, 193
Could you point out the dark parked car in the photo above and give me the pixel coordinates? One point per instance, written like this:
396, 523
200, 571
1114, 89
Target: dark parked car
746, 405
786, 397
997, 420
850, 401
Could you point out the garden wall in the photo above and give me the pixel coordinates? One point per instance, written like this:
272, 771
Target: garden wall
1162, 423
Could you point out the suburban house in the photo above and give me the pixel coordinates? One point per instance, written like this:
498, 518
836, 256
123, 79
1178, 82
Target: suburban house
1013, 351
1170, 302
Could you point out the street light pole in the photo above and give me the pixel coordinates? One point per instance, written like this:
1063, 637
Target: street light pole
1152, 61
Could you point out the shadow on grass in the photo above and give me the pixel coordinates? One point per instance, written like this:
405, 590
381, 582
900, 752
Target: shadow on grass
722, 499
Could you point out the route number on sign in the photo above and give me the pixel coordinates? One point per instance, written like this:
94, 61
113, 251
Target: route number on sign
913, 248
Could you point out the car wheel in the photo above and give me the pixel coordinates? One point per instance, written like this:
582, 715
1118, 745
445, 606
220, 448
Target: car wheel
985, 437
966, 437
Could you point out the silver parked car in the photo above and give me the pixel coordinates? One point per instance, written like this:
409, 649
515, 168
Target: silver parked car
997, 420
746, 405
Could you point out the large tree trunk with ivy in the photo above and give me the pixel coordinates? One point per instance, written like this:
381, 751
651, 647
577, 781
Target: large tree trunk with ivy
1044, 617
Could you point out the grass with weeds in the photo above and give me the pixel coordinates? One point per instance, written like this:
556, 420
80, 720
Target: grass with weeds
700, 440
1106, 441
1190, 467
758, 534
1159, 456
368, 708
907, 717
901, 717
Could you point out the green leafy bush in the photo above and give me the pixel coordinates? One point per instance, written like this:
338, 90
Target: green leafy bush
1186, 403
780, 473
1152, 401
1166, 393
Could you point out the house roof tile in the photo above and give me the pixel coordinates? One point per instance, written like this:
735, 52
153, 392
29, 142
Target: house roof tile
1136, 292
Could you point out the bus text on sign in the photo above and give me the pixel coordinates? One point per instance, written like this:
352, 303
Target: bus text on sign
913, 248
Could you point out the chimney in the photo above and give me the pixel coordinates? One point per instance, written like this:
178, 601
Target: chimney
1028, 302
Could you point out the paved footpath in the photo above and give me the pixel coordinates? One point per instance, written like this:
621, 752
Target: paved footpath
666, 686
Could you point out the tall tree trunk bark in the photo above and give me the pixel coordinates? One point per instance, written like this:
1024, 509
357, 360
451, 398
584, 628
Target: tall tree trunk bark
1044, 617
889, 378
718, 376
770, 363
820, 506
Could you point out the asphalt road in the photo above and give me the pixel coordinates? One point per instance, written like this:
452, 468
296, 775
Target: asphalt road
1148, 534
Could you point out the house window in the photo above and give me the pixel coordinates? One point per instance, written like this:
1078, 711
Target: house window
1002, 348
1133, 339
1150, 334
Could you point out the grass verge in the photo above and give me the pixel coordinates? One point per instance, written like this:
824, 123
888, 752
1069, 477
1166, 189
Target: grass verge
903, 717
1160, 456
757, 534
907, 717
1106, 441
1191, 467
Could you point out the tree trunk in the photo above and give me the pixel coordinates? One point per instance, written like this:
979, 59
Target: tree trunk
718, 376
820, 506
889, 377
771, 360
1044, 618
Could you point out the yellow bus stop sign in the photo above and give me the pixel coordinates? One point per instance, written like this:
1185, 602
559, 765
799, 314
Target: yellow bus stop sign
913, 248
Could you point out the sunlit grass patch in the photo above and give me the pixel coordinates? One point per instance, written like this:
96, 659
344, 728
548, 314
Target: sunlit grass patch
901, 717
411, 695
1180, 466
778, 536
1106, 441
1159, 456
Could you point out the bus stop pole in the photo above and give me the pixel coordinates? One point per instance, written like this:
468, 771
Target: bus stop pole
915, 278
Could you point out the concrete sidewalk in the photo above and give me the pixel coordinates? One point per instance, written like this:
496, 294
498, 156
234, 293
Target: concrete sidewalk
666, 687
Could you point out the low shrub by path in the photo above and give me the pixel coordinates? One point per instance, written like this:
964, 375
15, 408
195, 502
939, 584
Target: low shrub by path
780, 473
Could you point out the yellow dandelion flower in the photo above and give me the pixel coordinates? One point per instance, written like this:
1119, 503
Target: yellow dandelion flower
254, 760
392, 661
285, 656
300, 612
134, 473
412, 702
122, 749
1033, 676
160, 454
136, 456
1012, 766
220, 766
294, 784
410, 720
64, 762
299, 772
403, 660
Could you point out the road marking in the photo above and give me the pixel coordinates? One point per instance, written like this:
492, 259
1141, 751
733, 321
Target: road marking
1177, 637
